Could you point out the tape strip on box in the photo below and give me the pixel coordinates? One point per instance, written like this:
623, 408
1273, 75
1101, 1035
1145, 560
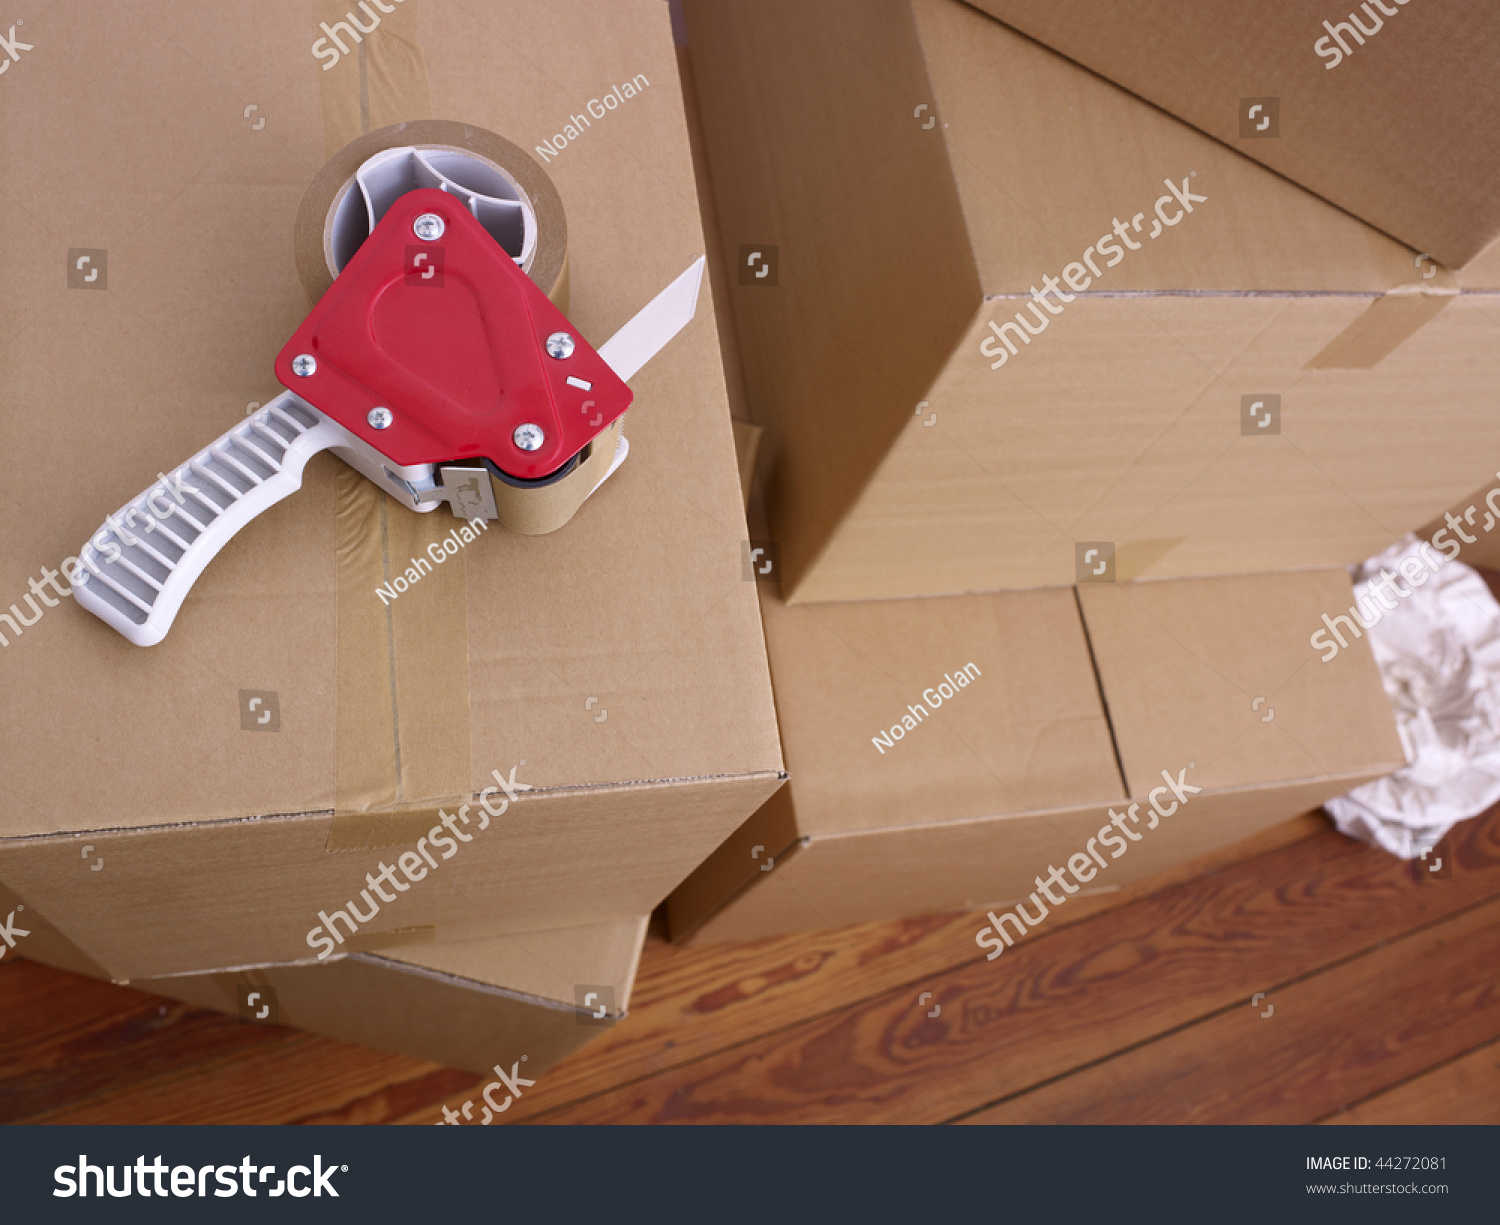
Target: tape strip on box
403, 748
1386, 323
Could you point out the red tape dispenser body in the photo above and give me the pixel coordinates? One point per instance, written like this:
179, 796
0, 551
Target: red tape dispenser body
467, 356
434, 366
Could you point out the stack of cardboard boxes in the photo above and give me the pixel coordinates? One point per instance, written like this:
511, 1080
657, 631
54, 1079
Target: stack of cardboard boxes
236, 812
1075, 416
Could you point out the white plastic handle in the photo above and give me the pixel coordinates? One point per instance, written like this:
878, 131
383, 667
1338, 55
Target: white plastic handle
140, 566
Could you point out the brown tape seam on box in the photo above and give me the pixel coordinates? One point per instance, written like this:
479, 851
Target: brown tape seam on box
402, 690
402, 748
384, 81
1387, 322
395, 938
402, 700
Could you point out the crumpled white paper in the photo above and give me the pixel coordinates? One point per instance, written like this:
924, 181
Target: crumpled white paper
1439, 655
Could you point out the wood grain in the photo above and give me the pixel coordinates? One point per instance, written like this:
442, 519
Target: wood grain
80, 1050
84, 1051
1068, 998
690, 1002
826, 1021
1333, 1038
1465, 1090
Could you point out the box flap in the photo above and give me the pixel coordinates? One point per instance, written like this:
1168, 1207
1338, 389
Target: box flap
1035, 144
1217, 675
546, 964
988, 701
1396, 120
467, 1005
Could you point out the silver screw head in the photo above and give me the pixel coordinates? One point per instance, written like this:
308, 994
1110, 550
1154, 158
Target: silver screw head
560, 345
428, 227
528, 437
303, 365
380, 418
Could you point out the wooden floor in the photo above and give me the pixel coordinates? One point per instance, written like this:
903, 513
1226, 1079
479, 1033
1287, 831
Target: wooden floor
1381, 1003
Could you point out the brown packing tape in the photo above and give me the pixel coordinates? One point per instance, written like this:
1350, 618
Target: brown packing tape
1389, 320
382, 77
746, 451
537, 510
1134, 557
549, 266
402, 748
403, 751
399, 937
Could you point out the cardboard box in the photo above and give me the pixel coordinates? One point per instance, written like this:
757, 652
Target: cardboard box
1267, 384
470, 1004
1389, 111
914, 791
616, 667
1469, 526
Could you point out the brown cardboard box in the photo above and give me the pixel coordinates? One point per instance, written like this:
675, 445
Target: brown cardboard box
1395, 118
1077, 704
616, 666
469, 1004
1469, 526
916, 168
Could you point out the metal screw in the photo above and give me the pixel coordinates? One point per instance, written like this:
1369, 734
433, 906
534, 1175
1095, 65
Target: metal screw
428, 226
380, 418
560, 345
528, 437
303, 365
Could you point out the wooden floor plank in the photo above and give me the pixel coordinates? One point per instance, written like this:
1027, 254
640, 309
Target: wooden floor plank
1334, 1037
76, 1038
279, 1082
85, 1051
690, 1002
1057, 1001
93, 1052
1464, 1090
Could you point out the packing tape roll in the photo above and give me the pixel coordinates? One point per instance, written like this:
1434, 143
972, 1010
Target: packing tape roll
534, 509
549, 264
